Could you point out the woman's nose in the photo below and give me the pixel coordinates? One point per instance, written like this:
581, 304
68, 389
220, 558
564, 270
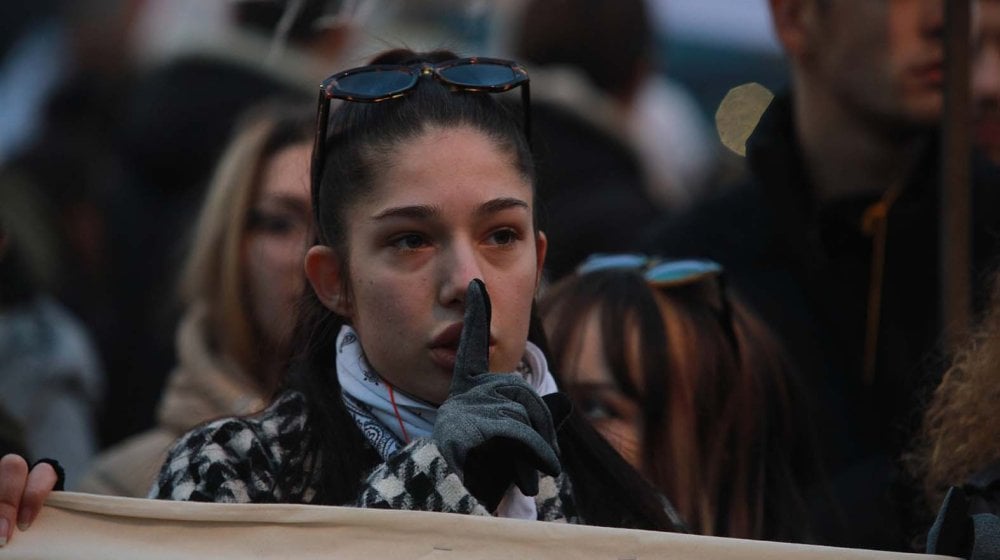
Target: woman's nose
460, 265
986, 76
933, 18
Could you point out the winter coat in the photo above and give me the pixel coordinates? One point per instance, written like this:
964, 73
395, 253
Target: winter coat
246, 460
51, 383
204, 386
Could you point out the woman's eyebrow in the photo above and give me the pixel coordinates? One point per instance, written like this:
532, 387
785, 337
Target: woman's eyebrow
286, 201
416, 212
500, 204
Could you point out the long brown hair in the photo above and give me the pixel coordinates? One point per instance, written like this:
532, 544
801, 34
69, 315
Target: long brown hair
720, 438
213, 276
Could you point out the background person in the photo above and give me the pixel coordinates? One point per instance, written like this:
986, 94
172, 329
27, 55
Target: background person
239, 287
691, 388
958, 444
51, 380
588, 61
986, 79
834, 238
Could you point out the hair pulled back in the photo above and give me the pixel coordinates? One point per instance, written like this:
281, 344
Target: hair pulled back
362, 140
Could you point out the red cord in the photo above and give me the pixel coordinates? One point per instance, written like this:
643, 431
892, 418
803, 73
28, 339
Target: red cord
392, 399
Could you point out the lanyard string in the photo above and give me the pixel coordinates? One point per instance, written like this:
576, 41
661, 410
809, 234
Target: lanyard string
395, 410
875, 223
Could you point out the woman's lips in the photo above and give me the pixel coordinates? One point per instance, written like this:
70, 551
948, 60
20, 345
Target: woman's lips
444, 357
931, 74
444, 347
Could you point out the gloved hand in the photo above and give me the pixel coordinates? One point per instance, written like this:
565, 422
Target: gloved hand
493, 429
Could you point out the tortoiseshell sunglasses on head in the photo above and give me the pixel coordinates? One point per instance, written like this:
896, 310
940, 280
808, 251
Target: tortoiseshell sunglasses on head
379, 82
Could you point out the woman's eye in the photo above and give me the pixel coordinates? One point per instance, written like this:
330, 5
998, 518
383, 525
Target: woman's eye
503, 237
409, 241
269, 223
596, 409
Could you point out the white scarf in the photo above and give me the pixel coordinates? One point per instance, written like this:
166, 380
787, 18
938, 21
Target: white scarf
416, 417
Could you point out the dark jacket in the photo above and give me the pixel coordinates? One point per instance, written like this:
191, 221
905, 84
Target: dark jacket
805, 268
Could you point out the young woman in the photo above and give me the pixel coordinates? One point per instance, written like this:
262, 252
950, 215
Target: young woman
690, 387
424, 203
239, 288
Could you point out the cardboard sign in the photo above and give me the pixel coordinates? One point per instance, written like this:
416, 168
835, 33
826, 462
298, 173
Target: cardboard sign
85, 526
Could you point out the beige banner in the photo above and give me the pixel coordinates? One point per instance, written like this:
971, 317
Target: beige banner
85, 526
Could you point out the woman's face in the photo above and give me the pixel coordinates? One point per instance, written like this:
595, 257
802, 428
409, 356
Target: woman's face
596, 394
449, 207
276, 238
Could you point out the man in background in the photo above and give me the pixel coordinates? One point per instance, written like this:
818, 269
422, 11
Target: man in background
986, 79
834, 240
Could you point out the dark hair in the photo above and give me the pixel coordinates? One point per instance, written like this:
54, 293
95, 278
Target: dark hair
362, 137
719, 435
609, 40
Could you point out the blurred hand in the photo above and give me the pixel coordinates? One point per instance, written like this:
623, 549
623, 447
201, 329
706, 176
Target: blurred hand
22, 493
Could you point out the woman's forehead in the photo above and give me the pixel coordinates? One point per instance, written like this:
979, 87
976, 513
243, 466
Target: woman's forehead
449, 167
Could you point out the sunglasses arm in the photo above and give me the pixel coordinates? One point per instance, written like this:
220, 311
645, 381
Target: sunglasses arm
526, 108
316, 168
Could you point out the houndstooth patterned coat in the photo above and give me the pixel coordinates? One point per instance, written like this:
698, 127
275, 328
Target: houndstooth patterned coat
238, 460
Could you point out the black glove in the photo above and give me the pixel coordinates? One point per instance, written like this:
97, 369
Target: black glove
493, 428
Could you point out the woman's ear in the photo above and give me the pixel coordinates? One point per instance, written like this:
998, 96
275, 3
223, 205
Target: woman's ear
541, 245
325, 274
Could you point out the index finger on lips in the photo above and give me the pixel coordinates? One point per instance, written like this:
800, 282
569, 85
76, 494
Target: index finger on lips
473, 355
13, 476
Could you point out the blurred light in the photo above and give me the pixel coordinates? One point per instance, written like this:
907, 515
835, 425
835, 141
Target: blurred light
739, 113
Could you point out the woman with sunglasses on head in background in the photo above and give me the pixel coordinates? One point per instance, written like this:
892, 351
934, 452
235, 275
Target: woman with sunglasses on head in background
689, 387
418, 385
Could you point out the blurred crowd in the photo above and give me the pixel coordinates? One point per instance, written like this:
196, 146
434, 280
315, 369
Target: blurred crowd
778, 367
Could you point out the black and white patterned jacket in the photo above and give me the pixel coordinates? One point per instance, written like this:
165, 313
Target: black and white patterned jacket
239, 460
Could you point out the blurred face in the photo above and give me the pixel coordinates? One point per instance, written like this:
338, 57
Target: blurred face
594, 391
450, 207
882, 58
276, 238
986, 79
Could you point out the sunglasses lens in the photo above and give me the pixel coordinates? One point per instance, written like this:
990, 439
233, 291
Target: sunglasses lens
374, 83
479, 75
678, 271
612, 262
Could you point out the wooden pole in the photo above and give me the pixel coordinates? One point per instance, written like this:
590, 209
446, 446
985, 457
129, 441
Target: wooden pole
956, 199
